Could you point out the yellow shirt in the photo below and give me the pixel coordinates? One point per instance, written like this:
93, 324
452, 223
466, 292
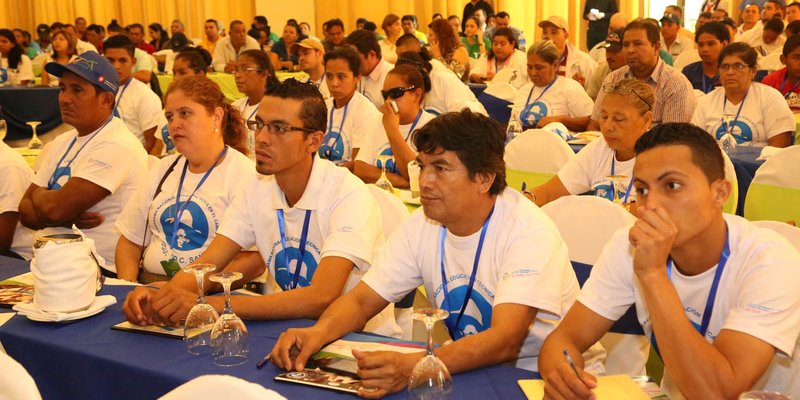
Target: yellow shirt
209, 45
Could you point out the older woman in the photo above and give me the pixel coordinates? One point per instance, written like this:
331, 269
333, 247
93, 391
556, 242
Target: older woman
394, 29
752, 112
625, 114
549, 97
64, 51
173, 218
504, 54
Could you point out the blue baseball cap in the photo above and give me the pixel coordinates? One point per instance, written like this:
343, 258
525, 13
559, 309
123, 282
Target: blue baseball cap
90, 66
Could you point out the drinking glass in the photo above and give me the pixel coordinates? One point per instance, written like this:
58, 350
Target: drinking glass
616, 185
727, 141
430, 378
229, 336
514, 127
383, 181
763, 395
3, 129
35, 143
202, 317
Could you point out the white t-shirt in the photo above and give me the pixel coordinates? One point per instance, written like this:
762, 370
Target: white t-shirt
248, 113
590, 169
566, 97
578, 62
23, 72
48, 58
199, 221
15, 182
763, 115
757, 295
139, 107
113, 159
224, 52
322, 85
371, 85
524, 261
342, 137
344, 222
448, 93
517, 61
377, 143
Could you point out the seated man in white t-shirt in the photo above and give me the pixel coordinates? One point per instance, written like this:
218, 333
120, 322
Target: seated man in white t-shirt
717, 295
15, 239
136, 104
316, 226
472, 228
89, 173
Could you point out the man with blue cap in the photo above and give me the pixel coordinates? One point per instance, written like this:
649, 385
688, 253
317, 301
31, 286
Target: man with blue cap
90, 172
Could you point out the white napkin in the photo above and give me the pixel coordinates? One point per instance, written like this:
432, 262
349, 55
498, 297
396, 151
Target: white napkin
768, 151
99, 304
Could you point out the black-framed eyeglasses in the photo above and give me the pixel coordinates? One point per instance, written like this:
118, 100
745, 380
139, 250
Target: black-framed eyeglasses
624, 90
738, 67
396, 92
275, 128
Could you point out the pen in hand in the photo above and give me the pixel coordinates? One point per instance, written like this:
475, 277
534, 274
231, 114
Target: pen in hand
572, 365
264, 361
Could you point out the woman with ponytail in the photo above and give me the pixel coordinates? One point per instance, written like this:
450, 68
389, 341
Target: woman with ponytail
254, 73
173, 218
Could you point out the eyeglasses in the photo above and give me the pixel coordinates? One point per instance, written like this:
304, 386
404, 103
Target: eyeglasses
624, 90
275, 128
396, 92
244, 68
738, 67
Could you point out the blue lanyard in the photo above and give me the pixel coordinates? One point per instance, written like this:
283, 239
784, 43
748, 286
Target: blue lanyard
630, 184
52, 181
119, 99
706, 88
252, 113
796, 84
712, 294
303, 237
453, 328
413, 125
330, 119
729, 128
528, 101
181, 208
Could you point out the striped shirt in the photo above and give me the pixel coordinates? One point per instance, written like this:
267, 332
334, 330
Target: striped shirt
675, 100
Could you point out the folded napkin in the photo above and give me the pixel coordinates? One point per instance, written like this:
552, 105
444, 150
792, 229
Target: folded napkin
32, 312
768, 152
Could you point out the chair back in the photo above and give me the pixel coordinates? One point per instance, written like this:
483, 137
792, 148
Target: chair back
774, 192
789, 232
730, 174
221, 387
16, 382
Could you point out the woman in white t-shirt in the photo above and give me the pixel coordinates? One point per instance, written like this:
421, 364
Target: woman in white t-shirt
504, 54
625, 115
405, 87
15, 67
64, 51
187, 194
254, 74
757, 113
549, 97
393, 29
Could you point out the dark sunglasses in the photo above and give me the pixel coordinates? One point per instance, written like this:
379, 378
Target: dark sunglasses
397, 92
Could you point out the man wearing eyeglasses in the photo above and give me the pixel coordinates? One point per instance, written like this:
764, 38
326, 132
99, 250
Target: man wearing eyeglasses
316, 226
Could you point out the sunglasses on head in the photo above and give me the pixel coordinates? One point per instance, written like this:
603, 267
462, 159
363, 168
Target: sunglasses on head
397, 92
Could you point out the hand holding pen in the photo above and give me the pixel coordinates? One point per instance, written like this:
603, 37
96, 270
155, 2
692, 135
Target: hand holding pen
568, 382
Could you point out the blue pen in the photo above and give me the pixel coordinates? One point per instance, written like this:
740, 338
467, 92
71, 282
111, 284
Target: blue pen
524, 186
572, 364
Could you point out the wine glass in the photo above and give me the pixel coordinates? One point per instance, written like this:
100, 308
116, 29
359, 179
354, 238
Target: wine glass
514, 127
201, 318
430, 378
3, 129
763, 395
383, 181
616, 184
727, 141
35, 143
229, 336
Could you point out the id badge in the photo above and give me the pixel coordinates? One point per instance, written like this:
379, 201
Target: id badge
171, 267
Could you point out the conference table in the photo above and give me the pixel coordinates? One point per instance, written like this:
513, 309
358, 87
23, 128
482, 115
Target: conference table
86, 359
227, 82
22, 104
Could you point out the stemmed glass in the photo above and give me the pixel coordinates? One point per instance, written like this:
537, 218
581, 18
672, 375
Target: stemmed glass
202, 317
430, 378
383, 181
616, 182
229, 336
514, 127
727, 141
35, 143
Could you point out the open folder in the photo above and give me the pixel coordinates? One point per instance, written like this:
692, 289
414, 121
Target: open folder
612, 387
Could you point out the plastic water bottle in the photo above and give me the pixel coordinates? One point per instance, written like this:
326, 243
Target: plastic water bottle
727, 142
514, 127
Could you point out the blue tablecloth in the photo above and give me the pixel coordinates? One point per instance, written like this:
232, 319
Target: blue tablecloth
87, 360
745, 164
21, 105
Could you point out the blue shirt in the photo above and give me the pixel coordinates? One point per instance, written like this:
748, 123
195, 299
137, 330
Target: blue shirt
694, 73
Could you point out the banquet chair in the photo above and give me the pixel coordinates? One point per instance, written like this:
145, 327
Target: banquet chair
586, 224
730, 174
15, 381
534, 157
774, 192
394, 213
221, 387
789, 232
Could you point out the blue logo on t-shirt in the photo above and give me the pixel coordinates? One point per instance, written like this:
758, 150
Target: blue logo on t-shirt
167, 139
193, 229
60, 177
284, 276
3, 75
332, 146
470, 324
390, 163
740, 130
534, 112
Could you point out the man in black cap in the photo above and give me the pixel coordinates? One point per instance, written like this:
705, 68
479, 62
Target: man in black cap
615, 58
90, 172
